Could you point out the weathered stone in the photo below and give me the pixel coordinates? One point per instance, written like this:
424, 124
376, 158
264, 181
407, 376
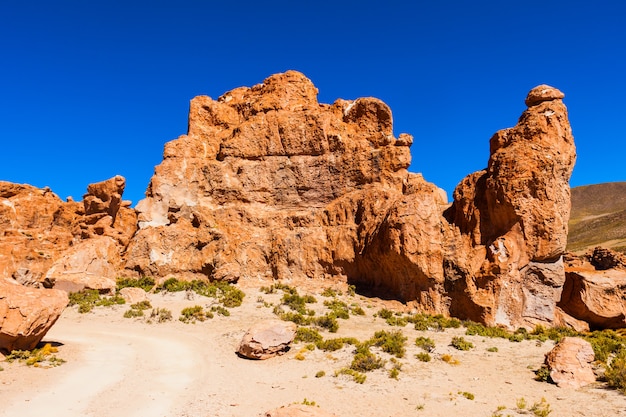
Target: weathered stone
133, 295
267, 339
569, 363
509, 223
90, 264
594, 294
26, 314
298, 410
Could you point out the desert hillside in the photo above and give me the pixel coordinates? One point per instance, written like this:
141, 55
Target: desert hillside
598, 217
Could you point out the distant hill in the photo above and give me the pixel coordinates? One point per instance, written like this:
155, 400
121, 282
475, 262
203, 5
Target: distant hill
598, 217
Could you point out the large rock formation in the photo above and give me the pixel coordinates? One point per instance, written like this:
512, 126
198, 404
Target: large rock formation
504, 261
270, 184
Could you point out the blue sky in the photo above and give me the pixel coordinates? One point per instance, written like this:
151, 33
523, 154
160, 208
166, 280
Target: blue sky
91, 89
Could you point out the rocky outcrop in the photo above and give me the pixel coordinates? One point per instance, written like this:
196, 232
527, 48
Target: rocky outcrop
595, 289
26, 314
569, 363
267, 339
508, 223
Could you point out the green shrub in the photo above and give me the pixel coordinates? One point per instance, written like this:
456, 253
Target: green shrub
307, 335
222, 311
133, 313
543, 374
461, 344
467, 395
492, 349
145, 283
161, 315
393, 373
390, 342
384, 313
88, 299
357, 376
423, 356
425, 343
356, 310
365, 361
328, 322
174, 285
42, 356
425, 322
616, 371
330, 344
191, 314
339, 309
329, 292
320, 374
142, 305
296, 302
477, 329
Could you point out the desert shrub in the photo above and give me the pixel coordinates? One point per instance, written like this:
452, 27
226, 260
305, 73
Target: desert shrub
329, 292
449, 359
423, 356
231, 296
543, 374
439, 322
425, 343
145, 283
339, 309
161, 315
492, 349
541, 408
328, 322
88, 299
458, 342
467, 395
192, 314
174, 285
320, 374
393, 373
605, 343
616, 371
357, 376
297, 302
221, 311
142, 305
307, 335
365, 361
43, 356
477, 329
351, 290
356, 310
226, 294
390, 342
384, 313
330, 345
294, 317
132, 313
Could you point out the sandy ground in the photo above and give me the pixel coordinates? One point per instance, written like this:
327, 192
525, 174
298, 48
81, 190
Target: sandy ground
128, 367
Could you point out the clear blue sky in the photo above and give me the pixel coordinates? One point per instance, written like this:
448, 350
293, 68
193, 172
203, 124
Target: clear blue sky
91, 89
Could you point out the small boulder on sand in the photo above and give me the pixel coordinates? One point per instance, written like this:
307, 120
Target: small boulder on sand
569, 363
267, 339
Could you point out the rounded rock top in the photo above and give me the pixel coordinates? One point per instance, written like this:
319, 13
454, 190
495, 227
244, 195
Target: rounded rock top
543, 93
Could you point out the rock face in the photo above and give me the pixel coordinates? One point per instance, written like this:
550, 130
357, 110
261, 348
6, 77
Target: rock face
26, 314
267, 339
595, 289
504, 253
569, 363
270, 184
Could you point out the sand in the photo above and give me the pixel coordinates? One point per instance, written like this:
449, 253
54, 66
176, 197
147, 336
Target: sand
128, 367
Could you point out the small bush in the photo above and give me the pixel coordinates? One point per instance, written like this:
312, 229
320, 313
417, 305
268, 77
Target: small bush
616, 372
330, 345
477, 329
541, 408
425, 343
320, 374
328, 322
393, 373
438, 323
307, 335
142, 305
384, 313
329, 292
37, 357
366, 361
145, 283
543, 374
88, 299
191, 314
356, 310
492, 349
357, 376
133, 313
423, 356
449, 359
390, 342
461, 344
467, 395
338, 308
161, 315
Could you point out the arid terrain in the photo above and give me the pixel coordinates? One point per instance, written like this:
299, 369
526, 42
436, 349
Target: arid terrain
126, 366
598, 217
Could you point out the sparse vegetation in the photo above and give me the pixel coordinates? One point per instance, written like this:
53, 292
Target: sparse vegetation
192, 314
423, 357
459, 343
137, 309
492, 349
426, 343
320, 374
145, 283
449, 359
86, 300
161, 315
616, 371
467, 395
357, 376
40, 357
390, 342
225, 293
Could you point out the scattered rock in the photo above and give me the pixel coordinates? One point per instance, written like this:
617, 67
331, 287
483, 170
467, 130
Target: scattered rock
297, 410
26, 314
603, 259
133, 295
267, 339
569, 363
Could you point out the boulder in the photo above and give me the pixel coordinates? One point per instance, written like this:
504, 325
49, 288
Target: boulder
569, 363
595, 289
267, 339
90, 264
297, 410
26, 314
133, 295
